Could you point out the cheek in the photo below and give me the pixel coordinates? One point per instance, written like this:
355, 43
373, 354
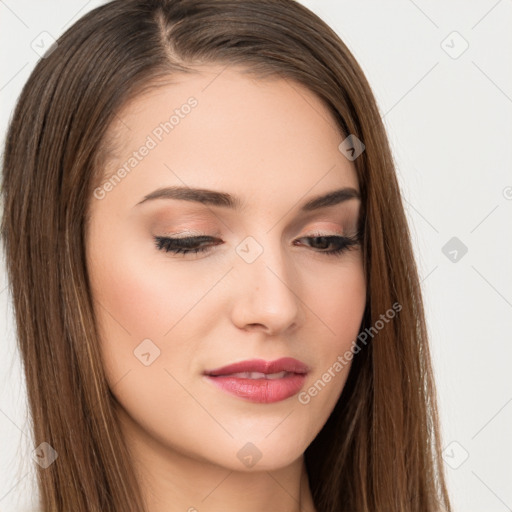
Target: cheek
133, 304
142, 319
135, 293
149, 308
338, 298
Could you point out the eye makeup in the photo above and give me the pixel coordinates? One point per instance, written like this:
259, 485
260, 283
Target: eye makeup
204, 243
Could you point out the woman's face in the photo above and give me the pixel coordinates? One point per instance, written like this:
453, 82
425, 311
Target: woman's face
262, 289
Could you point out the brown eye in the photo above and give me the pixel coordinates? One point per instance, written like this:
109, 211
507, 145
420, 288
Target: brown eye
340, 243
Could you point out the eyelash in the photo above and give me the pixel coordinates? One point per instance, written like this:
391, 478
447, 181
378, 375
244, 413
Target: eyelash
183, 245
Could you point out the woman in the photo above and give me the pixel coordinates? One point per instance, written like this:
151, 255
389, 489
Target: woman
216, 298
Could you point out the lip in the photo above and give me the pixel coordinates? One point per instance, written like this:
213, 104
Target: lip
285, 364
261, 390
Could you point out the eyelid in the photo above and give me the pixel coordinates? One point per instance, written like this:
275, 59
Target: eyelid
320, 232
216, 233
194, 234
190, 233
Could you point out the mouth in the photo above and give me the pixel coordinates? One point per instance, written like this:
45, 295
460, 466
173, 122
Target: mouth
261, 381
256, 375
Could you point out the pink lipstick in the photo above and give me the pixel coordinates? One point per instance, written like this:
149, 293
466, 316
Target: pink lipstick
261, 381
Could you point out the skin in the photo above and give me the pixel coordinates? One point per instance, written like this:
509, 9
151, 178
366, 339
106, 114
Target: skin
275, 145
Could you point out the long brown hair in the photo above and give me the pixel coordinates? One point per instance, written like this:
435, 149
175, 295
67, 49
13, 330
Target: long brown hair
380, 449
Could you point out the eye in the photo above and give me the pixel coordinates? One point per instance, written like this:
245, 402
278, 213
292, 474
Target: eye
339, 243
196, 244
183, 245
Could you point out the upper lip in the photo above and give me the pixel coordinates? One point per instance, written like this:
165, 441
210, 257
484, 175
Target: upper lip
286, 364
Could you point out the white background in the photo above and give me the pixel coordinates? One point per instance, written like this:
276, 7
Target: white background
449, 123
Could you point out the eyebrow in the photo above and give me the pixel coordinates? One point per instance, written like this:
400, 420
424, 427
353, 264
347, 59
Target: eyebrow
225, 200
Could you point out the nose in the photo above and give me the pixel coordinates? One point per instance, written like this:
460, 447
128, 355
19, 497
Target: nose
267, 293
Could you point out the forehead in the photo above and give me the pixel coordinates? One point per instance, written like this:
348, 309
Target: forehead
220, 125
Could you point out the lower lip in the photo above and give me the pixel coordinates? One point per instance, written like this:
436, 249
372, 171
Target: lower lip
263, 391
